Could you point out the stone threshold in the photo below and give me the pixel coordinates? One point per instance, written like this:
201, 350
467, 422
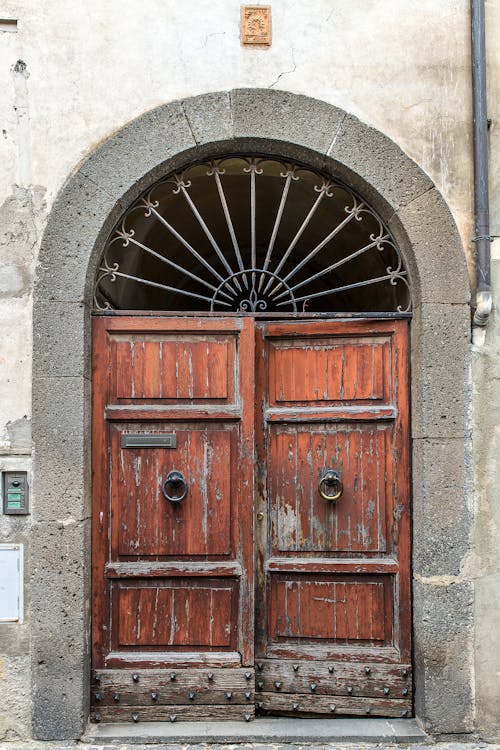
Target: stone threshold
272, 729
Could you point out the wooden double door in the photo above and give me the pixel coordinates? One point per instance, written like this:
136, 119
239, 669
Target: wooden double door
251, 523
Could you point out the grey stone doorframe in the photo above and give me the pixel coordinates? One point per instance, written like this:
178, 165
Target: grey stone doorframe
85, 211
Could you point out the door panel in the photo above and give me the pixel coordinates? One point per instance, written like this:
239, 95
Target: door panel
173, 581
201, 524
333, 576
301, 519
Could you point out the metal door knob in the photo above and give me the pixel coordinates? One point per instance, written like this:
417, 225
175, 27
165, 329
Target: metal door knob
330, 485
176, 483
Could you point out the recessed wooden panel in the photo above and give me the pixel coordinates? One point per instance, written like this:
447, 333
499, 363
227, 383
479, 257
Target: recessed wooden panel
171, 367
144, 522
329, 369
301, 518
324, 608
174, 614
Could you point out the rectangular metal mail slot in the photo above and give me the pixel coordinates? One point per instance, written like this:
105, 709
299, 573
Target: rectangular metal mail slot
142, 440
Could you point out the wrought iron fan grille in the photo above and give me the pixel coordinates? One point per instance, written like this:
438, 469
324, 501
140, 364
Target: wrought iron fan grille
251, 234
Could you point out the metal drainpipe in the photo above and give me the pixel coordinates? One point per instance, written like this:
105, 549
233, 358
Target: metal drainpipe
482, 236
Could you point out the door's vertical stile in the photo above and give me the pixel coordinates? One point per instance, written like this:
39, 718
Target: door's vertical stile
244, 522
402, 475
262, 520
100, 489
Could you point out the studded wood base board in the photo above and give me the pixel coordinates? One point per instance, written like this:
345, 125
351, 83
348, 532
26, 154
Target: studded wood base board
173, 694
308, 688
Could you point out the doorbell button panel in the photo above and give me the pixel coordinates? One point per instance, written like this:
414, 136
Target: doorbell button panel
15, 493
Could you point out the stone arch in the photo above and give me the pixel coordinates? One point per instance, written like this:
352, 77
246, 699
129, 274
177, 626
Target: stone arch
84, 212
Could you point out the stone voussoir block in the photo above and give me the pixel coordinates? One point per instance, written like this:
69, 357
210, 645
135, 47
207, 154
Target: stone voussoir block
209, 116
386, 170
134, 157
426, 229
283, 116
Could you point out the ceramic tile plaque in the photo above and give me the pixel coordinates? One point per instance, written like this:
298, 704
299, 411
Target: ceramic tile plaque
255, 25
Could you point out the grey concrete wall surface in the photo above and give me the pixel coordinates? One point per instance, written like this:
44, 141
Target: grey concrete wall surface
74, 74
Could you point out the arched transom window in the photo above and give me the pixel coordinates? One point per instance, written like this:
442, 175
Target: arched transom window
252, 235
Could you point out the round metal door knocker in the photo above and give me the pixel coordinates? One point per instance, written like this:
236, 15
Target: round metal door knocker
330, 485
176, 483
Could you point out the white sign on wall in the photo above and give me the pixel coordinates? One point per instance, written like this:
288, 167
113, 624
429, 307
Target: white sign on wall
11, 583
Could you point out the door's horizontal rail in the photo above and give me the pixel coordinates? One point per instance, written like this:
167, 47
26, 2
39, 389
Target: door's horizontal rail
297, 704
219, 569
331, 414
125, 322
334, 651
173, 414
168, 659
327, 565
175, 712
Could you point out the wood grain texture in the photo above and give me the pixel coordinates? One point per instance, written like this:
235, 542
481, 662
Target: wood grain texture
173, 583
314, 705
324, 609
174, 712
333, 577
179, 686
335, 678
173, 586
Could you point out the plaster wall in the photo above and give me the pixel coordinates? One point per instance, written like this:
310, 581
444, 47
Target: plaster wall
73, 73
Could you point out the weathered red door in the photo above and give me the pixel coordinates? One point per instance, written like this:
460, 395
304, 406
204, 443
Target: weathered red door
184, 409
333, 603
173, 462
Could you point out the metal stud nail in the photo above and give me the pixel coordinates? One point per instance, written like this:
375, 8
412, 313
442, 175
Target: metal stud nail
386, 691
259, 704
330, 669
333, 707
97, 696
260, 685
173, 676
210, 676
173, 717
260, 666
277, 685
229, 695
154, 695
295, 706
192, 696
135, 677
247, 717
97, 678
135, 717
405, 691
404, 712
313, 686
248, 675
97, 718
116, 697
349, 690
295, 667
248, 695
404, 672
367, 670
368, 710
